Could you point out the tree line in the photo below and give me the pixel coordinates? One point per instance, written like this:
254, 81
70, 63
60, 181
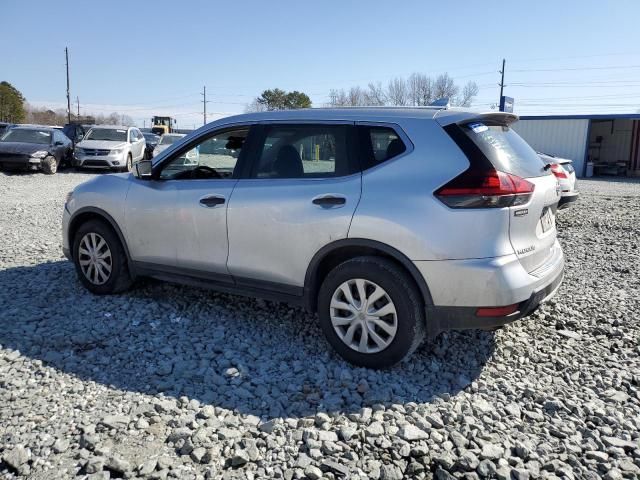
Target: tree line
417, 89
15, 109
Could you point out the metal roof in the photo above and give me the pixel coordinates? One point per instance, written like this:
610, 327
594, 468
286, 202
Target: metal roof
592, 116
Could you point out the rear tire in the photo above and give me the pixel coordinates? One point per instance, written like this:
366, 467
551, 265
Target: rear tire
393, 324
49, 165
100, 259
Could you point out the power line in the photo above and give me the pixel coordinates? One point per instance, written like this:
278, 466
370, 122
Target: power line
575, 68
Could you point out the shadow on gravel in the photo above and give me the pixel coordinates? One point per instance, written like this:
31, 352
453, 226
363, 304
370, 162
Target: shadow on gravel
254, 357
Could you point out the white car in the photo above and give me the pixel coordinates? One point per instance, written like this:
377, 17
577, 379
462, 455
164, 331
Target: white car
108, 146
563, 170
166, 141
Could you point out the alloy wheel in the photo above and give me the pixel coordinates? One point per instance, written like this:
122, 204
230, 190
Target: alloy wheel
363, 316
94, 257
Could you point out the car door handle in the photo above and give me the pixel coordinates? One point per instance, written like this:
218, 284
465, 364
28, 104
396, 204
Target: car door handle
211, 201
329, 201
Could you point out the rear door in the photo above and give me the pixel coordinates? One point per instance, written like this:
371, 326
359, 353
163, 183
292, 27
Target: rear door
301, 195
532, 226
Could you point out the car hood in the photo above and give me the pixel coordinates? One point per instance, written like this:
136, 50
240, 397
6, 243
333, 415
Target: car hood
160, 148
101, 144
20, 147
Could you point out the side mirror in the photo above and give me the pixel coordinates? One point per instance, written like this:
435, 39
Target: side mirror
144, 169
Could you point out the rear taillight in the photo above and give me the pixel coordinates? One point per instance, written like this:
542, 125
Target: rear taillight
485, 189
558, 171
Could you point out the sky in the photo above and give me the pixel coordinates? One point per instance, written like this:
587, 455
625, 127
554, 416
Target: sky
154, 58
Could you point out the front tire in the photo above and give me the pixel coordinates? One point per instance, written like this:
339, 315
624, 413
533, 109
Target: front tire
129, 166
49, 165
100, 259
371, 312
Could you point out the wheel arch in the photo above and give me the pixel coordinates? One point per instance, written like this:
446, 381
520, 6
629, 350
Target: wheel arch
340, 251
86, 214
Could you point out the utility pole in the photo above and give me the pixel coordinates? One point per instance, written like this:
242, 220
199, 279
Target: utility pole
66, 54
204, 103
500, 105
78, 102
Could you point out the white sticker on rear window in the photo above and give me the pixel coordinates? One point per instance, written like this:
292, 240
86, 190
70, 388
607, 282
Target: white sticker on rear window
121, 131
478, 127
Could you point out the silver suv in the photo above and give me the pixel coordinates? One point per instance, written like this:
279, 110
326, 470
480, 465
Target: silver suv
109, 146
391, 224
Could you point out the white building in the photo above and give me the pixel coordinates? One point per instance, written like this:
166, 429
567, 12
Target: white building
610, 142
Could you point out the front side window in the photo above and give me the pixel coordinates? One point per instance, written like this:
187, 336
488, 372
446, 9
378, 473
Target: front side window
25, 135
109, 134
303, 151
214, 157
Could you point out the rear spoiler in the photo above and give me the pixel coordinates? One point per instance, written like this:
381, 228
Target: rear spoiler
448, 117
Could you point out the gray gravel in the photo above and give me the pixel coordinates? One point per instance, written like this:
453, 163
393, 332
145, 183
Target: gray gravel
174, 382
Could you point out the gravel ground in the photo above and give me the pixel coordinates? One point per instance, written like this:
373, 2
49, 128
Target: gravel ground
174, 382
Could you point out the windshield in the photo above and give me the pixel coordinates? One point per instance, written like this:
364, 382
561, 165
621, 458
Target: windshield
151, 137
169, 139
506, 150
27, 136
111, 134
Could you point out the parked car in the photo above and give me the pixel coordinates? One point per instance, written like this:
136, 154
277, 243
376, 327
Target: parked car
34, 148
4, 127
563, 170
166, 141
151, 140
108, 146
391, 224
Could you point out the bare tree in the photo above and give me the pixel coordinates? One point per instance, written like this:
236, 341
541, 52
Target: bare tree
420, 89
444, 87
397, 93
255, 106
469, 91
356, 97
375, 95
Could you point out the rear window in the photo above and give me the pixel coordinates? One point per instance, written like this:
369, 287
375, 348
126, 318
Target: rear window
506, 150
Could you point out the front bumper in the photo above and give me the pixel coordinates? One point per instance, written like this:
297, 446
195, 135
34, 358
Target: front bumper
19, 161
94, 161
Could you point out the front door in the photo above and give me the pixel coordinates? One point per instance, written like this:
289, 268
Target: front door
203, 176
302, 194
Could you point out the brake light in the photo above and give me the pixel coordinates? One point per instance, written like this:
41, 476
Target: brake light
485, 189
558, 171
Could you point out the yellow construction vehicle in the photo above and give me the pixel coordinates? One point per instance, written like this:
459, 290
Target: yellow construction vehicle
162, 125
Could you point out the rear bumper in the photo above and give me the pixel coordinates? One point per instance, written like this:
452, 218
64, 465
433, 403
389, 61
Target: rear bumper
441, 319
567, 199
459, 287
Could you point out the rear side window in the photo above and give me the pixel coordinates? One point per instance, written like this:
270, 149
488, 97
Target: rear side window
505, 149
304, 151
379, 144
